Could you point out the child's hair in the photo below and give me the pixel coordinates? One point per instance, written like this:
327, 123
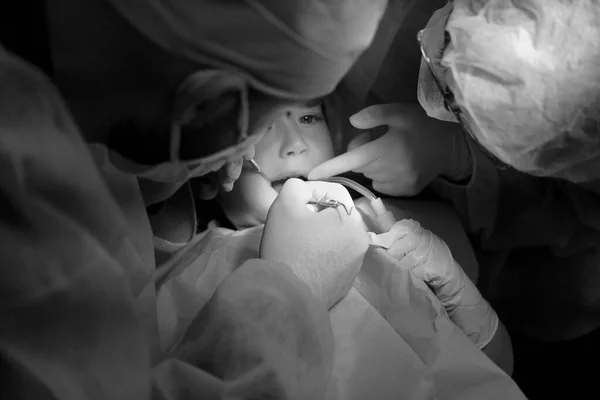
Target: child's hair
332, 112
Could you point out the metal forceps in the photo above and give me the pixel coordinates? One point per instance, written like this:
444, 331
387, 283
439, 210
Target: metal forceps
330, 203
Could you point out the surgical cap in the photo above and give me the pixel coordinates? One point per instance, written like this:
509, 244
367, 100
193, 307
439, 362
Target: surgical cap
527, 76
292, 49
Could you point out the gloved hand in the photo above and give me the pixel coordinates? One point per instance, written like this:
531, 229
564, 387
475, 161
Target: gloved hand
431, 260
324, 249
415, 150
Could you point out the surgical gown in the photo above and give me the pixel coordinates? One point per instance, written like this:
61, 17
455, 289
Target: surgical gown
78, 296
539, 242
86, 313
538, 239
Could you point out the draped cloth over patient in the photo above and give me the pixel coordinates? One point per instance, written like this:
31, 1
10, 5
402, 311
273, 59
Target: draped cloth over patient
392, 337
83, 314
78, 297
83, 317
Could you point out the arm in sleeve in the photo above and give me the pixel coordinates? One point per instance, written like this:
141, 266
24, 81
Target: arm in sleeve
508, 209
70, 323
73, 281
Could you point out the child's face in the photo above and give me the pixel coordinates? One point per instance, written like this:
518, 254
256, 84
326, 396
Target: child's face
297, 141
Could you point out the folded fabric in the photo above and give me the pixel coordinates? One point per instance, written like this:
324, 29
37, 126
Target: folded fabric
527, 76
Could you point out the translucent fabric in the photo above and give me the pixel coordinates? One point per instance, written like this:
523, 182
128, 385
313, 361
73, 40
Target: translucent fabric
296, 49
82, 316
527, 75
299, 50
392, 337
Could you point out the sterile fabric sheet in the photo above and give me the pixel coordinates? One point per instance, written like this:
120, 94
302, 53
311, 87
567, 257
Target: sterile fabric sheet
80, 308
393, 339
405, 347
371, 360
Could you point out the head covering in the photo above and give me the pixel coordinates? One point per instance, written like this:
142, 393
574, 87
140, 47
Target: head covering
527, 75
293, 49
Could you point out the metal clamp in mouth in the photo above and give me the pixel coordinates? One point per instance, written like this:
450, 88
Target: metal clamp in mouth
330, 203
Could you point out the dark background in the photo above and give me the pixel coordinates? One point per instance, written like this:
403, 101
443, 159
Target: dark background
23, 30
543, 371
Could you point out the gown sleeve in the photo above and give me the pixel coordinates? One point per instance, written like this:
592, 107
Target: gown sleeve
78, 301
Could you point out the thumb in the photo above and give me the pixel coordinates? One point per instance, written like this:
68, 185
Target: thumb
407, 233
404, 227
373, 116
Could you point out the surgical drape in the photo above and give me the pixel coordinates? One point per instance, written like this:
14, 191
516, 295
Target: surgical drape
79, 302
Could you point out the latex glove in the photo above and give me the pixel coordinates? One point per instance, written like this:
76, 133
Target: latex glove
324, 249
431, 260
415, 150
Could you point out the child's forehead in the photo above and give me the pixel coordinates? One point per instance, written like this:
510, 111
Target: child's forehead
311, 103
303, 105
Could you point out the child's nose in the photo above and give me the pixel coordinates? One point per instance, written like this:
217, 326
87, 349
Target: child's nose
292, 144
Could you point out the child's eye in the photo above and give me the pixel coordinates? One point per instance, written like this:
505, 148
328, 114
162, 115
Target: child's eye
310, 119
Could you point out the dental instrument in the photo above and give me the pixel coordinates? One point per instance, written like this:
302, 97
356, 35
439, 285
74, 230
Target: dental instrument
385, 218
255, 165
330, 203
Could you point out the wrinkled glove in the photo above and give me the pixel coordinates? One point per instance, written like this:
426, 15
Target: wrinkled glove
324, 249
431, 260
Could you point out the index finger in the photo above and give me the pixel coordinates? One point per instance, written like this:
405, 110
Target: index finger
348, 161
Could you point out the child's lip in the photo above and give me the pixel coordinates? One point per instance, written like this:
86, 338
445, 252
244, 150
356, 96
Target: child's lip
278, 184
282, 180
290, 174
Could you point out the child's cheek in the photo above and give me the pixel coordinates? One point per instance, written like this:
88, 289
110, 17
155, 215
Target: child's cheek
253, 198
